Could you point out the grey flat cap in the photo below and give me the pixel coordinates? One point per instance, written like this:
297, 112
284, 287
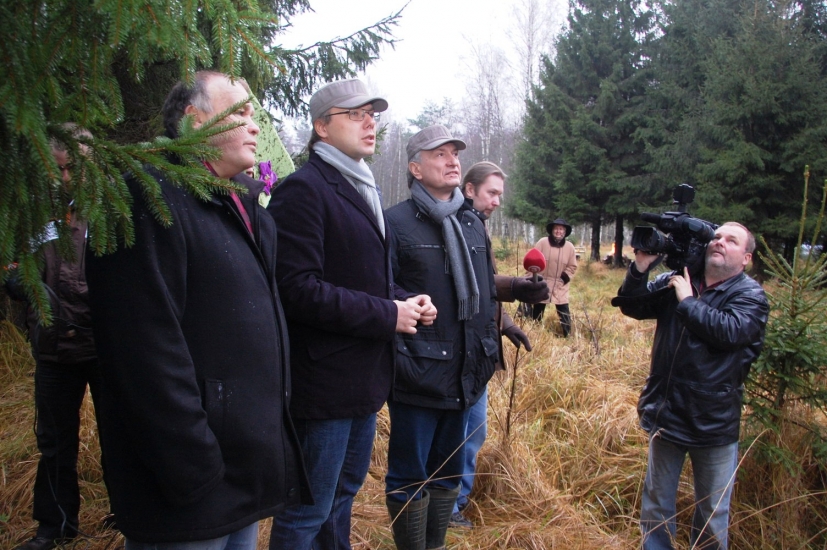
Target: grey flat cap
347, 94
431, 138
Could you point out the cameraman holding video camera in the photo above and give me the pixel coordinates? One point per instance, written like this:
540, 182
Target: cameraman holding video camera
710, 329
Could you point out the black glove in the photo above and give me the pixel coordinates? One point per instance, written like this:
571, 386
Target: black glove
14, 284
526, 290
517, 337
565, 277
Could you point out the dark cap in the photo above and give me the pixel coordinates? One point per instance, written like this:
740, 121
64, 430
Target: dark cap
431, 138
558, 221
347, 94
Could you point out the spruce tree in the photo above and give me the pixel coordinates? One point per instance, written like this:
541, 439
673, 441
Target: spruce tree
106, 65
580, 157
738, 108
764, 119
687, 30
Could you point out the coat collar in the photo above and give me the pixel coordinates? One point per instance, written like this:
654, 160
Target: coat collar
726, 283
469, 205
344, 188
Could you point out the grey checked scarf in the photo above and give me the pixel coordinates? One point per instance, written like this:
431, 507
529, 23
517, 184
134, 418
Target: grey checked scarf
459, 260
358, 174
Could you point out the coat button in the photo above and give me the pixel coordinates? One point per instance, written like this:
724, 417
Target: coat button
291, 492
71, 333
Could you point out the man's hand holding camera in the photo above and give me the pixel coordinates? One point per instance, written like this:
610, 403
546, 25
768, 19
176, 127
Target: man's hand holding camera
644, 260
682, 285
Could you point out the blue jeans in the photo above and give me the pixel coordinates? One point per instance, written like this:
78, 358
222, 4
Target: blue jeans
337, 455
476, 429
714, 475
243, 539
425, 450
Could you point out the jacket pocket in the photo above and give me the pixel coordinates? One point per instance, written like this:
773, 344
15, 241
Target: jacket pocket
712, 410
214, 405
44, 338
489, 346
423, 363
487, 363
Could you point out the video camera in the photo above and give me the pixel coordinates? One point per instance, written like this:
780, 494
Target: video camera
683, 239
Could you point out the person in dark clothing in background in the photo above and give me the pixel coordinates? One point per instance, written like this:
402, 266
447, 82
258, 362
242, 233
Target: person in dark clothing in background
66, 360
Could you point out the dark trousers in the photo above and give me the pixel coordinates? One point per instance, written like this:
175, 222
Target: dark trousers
426, 448
562, 310
58, 395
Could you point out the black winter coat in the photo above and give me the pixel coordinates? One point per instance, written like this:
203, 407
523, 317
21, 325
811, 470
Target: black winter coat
335, 280
448, 364
702, 353
193, 352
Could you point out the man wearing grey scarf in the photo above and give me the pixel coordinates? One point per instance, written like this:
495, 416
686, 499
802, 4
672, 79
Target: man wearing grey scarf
342, 308
445, 214
440, 250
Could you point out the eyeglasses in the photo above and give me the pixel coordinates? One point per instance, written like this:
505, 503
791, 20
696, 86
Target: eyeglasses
358, 115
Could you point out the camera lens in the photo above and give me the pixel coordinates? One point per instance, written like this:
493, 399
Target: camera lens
648, 239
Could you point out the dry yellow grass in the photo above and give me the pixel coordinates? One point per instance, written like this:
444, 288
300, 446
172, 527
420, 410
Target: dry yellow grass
567, 476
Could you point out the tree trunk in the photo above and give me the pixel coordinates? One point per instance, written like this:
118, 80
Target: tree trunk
595, 255
618, 259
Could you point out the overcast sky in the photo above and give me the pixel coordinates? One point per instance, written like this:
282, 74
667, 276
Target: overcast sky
436, 40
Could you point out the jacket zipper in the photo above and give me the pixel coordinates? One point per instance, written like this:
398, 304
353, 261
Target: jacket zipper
672, 366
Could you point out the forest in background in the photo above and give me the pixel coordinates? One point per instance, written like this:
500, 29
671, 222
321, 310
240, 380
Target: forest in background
595, 118
602, 120
596, 123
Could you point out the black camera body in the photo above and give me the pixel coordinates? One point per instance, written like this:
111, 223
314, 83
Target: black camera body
681, 238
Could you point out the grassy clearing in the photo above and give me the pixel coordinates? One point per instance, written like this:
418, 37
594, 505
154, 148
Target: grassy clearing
568, 475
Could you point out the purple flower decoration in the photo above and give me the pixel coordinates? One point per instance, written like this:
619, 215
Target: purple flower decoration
266, 174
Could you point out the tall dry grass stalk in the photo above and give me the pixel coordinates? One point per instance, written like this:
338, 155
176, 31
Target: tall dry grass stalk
568, 476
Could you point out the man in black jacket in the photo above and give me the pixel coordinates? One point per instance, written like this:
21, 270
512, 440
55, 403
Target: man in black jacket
342, 311
709, 332
194, 355
442, 370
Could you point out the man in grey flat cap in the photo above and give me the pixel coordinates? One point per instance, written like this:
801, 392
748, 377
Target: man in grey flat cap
441, 250
342, 310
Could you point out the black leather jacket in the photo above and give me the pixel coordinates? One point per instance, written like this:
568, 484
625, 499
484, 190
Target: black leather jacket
446, 365
702, 353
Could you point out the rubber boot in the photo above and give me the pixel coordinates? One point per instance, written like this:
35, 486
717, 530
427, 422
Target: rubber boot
439, 514
408, 522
